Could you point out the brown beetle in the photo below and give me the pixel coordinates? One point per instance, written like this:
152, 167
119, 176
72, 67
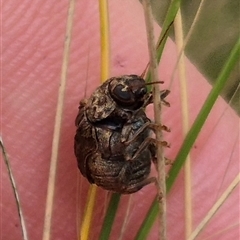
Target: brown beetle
112, 142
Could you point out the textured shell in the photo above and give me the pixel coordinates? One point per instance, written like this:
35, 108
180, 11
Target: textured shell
100, 104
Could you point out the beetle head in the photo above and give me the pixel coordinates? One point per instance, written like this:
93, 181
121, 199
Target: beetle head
128, 91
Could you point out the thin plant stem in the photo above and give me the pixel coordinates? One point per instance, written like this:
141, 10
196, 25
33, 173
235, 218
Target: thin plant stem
218, 234
215, 207
14, 187
57, 125
126, 218
178, 28
87, 219
157, 117
186, 39
105, 44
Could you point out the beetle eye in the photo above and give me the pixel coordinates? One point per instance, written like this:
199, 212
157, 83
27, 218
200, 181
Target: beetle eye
121, 94
141, 92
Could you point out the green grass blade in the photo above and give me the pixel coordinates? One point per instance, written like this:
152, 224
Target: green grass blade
203, 114
191, 136
170, 16
148, 221
110, 216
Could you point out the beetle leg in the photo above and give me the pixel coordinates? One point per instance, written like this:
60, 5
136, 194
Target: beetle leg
82, 103
163, 95
137, 186
127, 131
167, 161
146, 144
155, 162
153, 126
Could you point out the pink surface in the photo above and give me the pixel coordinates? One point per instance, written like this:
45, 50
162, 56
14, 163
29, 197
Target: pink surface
33, 39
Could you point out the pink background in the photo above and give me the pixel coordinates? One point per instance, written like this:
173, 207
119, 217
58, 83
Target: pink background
32, 50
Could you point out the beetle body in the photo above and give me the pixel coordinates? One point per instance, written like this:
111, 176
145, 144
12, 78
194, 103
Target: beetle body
112, 140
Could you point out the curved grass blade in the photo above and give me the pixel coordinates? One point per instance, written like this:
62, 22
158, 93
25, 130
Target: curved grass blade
191, 136
15, 192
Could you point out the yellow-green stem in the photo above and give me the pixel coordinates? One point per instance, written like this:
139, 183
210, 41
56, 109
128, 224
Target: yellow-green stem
104, 33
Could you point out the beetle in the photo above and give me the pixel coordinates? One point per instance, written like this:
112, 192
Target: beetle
112, 144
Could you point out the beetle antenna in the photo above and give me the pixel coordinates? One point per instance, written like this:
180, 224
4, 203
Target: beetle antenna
87, 71
145, 70
150, 83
